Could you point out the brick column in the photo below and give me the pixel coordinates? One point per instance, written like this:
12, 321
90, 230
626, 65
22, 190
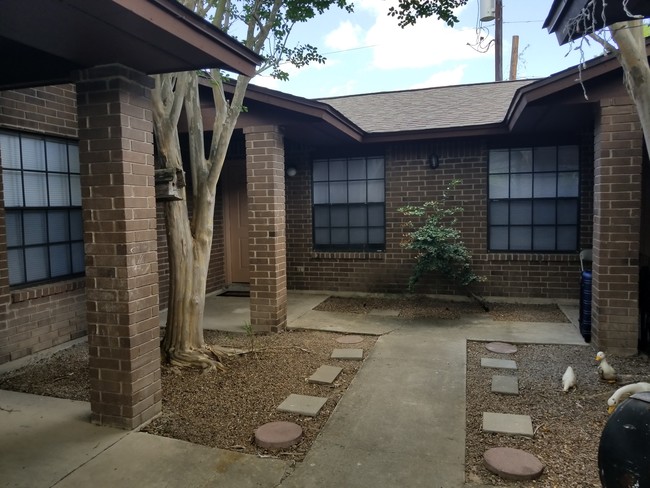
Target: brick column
119, 209
617, 213
267, 240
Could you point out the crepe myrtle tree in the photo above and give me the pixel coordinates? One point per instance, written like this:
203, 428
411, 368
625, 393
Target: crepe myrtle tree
264, 27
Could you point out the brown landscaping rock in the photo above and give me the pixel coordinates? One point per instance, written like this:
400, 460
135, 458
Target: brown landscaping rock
513, 464
501, 347
349, 339
278, 435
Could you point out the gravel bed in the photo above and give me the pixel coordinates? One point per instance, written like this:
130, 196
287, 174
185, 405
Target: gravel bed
220, 409
224, 409
567, 425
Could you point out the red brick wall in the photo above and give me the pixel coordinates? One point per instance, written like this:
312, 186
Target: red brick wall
39, 317
409, 180
46, 110
617, 215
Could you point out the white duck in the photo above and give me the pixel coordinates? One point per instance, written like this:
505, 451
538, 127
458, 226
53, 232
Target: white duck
569, 380
624, 392
605, 370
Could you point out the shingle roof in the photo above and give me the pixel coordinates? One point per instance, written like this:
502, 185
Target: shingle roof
429, 108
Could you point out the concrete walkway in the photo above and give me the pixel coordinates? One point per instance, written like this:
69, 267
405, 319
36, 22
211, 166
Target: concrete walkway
401, 422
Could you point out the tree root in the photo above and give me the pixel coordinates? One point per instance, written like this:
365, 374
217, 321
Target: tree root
207, 358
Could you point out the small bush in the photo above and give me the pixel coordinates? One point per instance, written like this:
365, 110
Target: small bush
437, 241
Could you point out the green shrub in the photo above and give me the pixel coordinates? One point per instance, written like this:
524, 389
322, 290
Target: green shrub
438, 242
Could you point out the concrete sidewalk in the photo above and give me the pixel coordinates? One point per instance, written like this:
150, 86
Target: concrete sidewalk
401, 422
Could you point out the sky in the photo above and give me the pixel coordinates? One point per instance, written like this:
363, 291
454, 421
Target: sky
368, 52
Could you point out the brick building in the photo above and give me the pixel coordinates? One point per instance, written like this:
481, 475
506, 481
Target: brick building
308, 200
78, 222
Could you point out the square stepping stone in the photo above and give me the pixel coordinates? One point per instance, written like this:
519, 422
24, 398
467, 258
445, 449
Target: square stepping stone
506, 423
325, 375
355, 354
498, 363
507, 385
302, 405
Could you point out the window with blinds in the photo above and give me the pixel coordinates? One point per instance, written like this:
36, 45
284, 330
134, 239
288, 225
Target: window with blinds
534, 199
42, 198
348, 204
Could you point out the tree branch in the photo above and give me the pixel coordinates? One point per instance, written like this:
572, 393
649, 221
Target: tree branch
220, 14
179, 94
263, 34
609, 47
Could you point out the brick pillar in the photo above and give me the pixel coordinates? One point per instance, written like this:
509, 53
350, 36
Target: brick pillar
119, 209
267, 240
617, 213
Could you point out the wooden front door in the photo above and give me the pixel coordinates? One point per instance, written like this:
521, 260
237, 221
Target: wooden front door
236, 222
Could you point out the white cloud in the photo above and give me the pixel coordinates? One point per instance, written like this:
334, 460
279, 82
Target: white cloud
267, 82
345, 36
443, 78
347, 88
430, 42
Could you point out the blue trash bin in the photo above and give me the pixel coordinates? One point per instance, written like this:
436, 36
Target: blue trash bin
585, 305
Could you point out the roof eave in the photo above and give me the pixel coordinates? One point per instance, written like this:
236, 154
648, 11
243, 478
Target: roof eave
428, 134
304, 106
207, 37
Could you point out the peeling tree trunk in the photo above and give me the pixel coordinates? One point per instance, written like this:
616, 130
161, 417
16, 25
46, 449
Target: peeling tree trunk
632, 55
189, 238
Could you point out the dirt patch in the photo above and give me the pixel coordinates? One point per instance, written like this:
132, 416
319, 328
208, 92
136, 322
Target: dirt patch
426, 307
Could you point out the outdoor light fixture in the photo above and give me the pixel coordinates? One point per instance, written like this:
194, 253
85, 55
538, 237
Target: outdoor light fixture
434, 161
291, 171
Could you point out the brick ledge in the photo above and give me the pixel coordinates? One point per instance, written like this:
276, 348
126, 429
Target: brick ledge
493, 257
350, 256
46, 290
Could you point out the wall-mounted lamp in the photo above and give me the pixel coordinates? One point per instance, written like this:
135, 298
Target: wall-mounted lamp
291, 171
434, 161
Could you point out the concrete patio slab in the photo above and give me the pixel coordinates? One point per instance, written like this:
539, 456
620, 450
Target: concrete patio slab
49, 442
47, 438
159, 461
351, 354
498, 363
414, 390
506, 423
325, 375
506, 385
302, 405
232, 313
345, 323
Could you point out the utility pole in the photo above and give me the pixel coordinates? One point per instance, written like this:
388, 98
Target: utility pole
498, 41
514, 58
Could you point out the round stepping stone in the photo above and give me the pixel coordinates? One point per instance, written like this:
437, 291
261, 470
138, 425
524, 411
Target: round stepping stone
349, 339
501, 347
513, 464
278, 435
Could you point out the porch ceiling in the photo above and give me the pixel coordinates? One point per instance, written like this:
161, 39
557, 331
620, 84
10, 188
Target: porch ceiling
43, 41
561, 18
